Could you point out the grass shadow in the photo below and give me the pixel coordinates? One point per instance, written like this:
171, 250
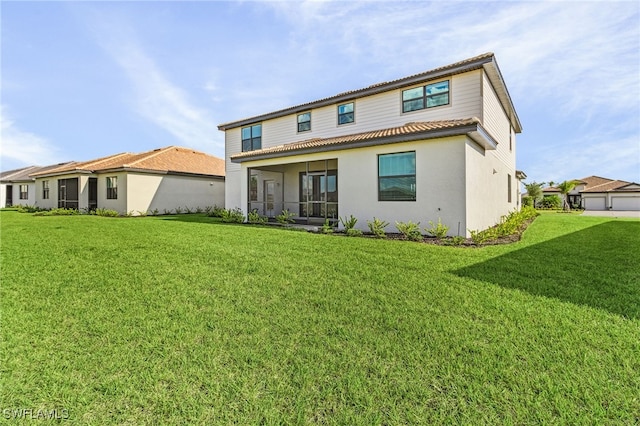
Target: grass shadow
598, 267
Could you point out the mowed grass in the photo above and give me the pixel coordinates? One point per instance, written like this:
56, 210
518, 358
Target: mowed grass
185, 320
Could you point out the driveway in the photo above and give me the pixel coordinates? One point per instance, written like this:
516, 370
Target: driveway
612, 213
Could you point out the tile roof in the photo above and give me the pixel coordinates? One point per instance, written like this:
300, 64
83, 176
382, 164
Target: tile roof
171, 159
410, 131
598, 184
470, 64
25, 174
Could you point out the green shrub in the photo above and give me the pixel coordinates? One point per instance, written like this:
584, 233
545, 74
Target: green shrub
348, 222
106, 212
377, 227
215, 211
285, 217
551, 202
353, 232
188, 210
255, 218
511, 224
527, 201
58, 212
29, 209
154, 212
327, 228
410, 230
437, 230
454, 241
178, 210
232, 216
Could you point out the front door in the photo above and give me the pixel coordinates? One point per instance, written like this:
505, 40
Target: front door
9, 201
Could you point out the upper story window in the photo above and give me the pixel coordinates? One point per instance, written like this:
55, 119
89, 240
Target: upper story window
24, 192
112, 188
304, 122
45, 189
429, 96
345, 113
252, 137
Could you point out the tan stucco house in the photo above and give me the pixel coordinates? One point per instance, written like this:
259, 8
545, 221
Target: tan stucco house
599, 193
162, 179
18, 187
439, 144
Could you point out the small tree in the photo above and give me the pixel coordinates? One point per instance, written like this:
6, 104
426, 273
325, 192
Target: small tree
534, 190
565, 188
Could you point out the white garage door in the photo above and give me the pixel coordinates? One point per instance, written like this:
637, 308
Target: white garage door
595, 203
625, 203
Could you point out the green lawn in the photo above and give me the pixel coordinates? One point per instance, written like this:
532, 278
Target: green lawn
184, 320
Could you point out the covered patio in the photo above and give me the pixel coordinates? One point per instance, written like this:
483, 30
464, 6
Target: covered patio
308, 190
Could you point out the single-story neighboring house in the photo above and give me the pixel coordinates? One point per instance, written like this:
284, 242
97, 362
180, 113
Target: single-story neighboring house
598, 193
160, 180
440, 144
18, 187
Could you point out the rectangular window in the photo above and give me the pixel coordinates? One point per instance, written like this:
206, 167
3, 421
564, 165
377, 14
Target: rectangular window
345, 113
24, 192
429, 96
508, 188
45, 189
304, 122
397, 177
252, 137
112, 188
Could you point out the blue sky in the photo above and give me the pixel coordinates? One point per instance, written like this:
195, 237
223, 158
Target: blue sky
82, 80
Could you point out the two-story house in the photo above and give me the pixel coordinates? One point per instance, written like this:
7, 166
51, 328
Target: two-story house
439, 144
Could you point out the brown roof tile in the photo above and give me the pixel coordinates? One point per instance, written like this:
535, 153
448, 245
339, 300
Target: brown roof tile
171, 159
317, 143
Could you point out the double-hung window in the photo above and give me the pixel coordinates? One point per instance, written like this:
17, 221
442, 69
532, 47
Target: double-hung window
24, 192
397, 176
304, 122
112, 188
45, 189
345, 113
429, 96
252, 137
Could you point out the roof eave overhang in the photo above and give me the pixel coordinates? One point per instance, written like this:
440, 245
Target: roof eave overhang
368, 91
158, 172
474, 131
62, 173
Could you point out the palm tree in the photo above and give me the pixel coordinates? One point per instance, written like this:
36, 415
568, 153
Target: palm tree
534, 190
565, 188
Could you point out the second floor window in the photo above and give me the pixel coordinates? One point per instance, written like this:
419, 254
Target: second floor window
112, 188
429, 96
24, 192
45, 189
304, 122
345, 113
252, 137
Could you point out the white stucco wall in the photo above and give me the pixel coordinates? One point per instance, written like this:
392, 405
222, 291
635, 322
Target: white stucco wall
144, 192
31, 194
440, 183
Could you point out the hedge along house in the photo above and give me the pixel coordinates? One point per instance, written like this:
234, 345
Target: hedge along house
163, 180
439, 144
18, 187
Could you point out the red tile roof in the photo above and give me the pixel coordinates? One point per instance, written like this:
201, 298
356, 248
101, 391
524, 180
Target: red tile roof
171, 159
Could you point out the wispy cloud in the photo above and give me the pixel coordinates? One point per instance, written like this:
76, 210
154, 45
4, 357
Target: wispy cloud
22, 148
156, 97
